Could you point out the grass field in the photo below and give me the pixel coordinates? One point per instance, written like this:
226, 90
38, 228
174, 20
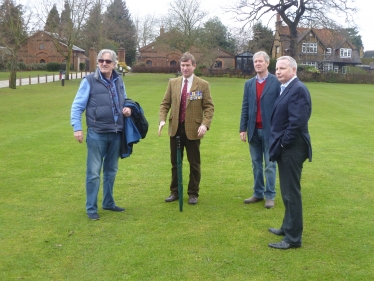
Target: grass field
45, 234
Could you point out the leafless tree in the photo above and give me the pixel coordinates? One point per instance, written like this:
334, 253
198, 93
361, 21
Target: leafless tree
146, 29
67, 34
182, 23
294, 13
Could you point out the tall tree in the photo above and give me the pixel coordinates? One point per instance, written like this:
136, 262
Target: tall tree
293, 13
182, 22
93, 34
354, 36
262, 38
53, 20
146, 31
120, 28
12, 33
65, 36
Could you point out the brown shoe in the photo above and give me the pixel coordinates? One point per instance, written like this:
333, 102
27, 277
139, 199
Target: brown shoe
253, 199
269, 204
192, 200
171, 198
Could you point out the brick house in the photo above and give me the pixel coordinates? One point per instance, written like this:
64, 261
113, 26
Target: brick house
40, 48
325, 49
159, 53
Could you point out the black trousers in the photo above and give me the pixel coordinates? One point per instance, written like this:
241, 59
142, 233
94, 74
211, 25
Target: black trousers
290, 166
193, 156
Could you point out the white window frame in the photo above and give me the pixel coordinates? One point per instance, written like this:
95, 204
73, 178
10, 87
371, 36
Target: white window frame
328, 51
345, 53
310, 48
310, 63
328, 66
336, 69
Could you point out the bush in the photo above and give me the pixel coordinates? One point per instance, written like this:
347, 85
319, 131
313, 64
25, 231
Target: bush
82, 66
53, 66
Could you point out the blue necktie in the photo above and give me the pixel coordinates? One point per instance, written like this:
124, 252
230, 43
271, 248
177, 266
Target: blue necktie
282, 89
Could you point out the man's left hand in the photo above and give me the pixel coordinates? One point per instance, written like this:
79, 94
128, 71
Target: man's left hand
202, 130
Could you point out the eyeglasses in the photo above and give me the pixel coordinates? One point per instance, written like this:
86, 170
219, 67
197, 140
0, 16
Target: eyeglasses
106, 61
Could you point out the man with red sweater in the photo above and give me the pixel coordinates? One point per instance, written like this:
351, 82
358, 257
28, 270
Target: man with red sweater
260, 93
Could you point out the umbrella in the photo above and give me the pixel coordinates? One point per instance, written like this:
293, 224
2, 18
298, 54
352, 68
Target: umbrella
180, 178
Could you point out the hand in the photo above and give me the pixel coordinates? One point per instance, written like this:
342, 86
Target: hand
201, 131
78, 136
162, 124
126, 111
243, 136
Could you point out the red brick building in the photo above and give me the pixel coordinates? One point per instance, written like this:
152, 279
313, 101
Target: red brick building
159, 53
40, 48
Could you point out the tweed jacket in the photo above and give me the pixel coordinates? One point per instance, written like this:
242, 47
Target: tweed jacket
198, 110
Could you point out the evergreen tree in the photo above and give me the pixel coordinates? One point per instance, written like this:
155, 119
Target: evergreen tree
66, 21
120, 28
53, 20
93, 35
262, 39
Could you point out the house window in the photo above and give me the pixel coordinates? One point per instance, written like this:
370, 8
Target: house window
41, 47
328, 66
277, 49
173, 63
309, 48
328, 51
42, 61
310, 63
148, 62
345, 53
336, 69
345, 69
218, 64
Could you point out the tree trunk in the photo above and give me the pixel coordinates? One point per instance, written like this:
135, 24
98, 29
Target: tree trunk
13, 75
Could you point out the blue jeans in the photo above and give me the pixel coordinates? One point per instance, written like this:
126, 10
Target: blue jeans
259, 150
103, 151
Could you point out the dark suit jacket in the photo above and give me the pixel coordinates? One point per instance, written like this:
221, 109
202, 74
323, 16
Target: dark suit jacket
289, 119
198, 111
249, 107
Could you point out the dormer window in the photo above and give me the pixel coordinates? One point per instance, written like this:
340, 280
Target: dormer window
328, 51
345, 53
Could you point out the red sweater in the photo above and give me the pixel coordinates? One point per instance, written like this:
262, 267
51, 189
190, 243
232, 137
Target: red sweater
259, 89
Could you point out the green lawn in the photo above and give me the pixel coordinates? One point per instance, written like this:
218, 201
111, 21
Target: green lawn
45, 234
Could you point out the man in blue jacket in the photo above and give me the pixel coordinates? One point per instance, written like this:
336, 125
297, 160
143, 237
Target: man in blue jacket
260, 94
101, 95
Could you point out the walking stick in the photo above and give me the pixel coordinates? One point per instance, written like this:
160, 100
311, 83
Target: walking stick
180, 179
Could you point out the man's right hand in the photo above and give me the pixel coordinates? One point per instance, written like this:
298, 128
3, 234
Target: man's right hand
243, 136
78, 136
162, 124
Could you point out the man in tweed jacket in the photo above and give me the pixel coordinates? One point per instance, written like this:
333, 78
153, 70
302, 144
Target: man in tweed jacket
199, 111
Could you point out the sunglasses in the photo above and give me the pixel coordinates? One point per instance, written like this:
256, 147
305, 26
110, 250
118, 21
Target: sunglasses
106, 61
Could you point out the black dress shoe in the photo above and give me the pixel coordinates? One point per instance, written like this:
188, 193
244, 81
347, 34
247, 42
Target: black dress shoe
283, 245
192, 200
115, 209
171, 198
276, 231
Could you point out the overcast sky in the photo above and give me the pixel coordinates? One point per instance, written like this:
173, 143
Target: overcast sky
364, 17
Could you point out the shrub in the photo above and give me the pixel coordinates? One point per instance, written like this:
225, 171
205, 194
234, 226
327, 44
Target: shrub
53, 66
82, 66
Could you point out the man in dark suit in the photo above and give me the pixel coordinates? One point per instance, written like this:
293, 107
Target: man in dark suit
290, 146
188, 97
260, 93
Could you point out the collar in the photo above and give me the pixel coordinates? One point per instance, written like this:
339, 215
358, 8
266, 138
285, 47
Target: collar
189, 79
288, 82
261, 80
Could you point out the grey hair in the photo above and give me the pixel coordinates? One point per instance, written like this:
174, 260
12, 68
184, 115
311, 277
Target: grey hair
291, 61
113, 55
262, 53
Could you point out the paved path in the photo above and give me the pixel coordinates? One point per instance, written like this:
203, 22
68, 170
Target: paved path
42, 79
